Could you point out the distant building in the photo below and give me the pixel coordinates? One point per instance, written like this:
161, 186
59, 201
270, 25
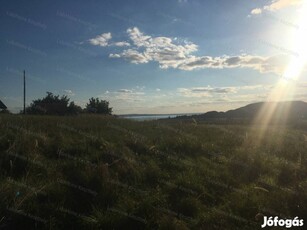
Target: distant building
2, 106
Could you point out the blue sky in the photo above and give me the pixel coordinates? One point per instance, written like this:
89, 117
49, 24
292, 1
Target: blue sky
175, 56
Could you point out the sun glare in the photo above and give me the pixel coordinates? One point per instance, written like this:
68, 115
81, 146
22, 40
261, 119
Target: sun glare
285, 88
299, 47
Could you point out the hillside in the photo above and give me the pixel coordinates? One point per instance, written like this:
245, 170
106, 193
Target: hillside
283, 112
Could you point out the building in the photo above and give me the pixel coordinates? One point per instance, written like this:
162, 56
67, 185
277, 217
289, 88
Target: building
2, 106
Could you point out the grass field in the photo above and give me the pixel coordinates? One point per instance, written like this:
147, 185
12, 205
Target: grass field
95, 172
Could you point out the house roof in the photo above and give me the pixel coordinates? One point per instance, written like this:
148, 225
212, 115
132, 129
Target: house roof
2, 106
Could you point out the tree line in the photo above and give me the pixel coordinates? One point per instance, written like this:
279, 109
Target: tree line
61, 105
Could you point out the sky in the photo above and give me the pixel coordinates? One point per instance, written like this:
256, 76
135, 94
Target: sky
162, 57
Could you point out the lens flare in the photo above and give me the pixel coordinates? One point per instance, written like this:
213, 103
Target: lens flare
297, 63
285, 88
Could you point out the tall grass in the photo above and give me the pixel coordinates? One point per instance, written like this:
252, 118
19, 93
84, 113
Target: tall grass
95, 172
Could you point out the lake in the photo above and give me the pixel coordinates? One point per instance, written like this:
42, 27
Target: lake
145, 117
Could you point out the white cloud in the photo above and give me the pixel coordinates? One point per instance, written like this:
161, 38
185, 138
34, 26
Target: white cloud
104, 40
206, 91
271, 64
101, 40
120, 44
254, 87
138, 37
160, 49
277, 5
256, 11
280, 4
214, 90
132, 55
124, 95
114, 56
124, 91
172, 53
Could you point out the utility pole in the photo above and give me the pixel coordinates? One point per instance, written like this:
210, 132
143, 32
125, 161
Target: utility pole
24, 92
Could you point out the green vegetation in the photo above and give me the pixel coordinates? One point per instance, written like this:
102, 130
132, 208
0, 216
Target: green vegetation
100, 172
56, 105
98, 106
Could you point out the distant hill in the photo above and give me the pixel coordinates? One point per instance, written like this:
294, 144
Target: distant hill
282, 112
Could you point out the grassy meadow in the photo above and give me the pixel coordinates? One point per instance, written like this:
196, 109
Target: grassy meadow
99, 172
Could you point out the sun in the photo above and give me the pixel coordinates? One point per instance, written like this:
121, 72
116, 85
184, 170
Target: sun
299, 59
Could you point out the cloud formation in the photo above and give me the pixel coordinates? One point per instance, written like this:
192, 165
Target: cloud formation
125, 95
277, 5
101, 40
132, 55
124, 91
280, 4
169, 53
256, 11
221, 93
104, 40
205, 91
120, 44
160, 49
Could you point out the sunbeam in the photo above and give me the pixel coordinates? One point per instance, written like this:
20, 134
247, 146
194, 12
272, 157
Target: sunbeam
285, 87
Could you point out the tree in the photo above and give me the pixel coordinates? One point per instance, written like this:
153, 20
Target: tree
53, 105
98, 106
74, 109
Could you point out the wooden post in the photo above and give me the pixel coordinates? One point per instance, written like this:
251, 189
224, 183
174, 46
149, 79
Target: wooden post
24, 92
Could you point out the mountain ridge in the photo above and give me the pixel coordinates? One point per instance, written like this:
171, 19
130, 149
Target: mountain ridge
282, 111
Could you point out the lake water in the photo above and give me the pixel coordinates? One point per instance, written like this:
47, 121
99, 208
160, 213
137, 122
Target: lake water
151, 116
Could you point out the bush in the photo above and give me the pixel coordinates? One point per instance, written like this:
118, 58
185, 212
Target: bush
53, 105
98, 106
